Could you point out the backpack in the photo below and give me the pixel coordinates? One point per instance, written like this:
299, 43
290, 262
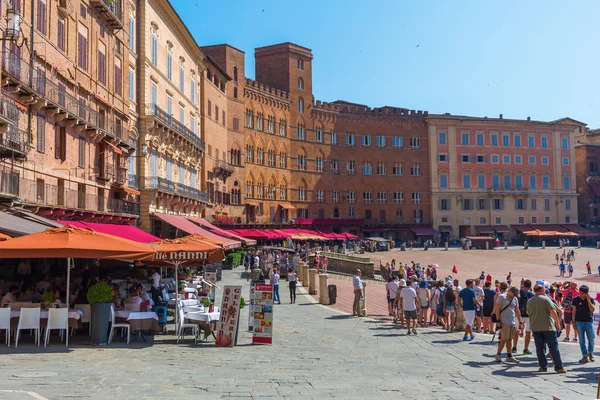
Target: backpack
524, 297
567, 302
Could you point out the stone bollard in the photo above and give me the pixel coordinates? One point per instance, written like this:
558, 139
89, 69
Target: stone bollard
304, 274
526, 245
543, 244
579, 244
487, 245
312, 281
363, 303
403, 247
446, 246
505, 244
323, 291
598, 244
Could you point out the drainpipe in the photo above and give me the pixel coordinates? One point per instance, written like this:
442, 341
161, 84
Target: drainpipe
31, 60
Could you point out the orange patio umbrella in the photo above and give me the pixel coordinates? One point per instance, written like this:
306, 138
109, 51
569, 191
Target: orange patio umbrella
70, 242
4, 237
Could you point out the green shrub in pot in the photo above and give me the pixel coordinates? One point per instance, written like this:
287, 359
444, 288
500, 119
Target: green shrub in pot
100, 296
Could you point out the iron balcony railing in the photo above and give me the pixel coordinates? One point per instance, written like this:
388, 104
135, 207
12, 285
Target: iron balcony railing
112, 11
123, 206
14, 142
133, 181
16, 68
166, 119
9, 112
180, 189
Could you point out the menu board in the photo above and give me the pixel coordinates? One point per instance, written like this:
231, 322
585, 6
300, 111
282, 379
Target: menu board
230, 315
211, 276
263, 314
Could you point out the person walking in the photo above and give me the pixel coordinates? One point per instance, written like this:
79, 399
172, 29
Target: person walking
545, 323
467, 299
569, 293
275, 282
292, 278
409, 302
557, 258
583, 317
391, 288
507, 312
358, 293
588, 266
561, 269
570, 269
488, 307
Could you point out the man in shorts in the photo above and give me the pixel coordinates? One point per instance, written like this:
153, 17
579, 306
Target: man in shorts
409, 301
525, 294
507, 312
479, 309
467, 299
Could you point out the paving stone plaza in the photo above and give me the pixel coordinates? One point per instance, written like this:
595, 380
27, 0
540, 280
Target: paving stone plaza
318, 352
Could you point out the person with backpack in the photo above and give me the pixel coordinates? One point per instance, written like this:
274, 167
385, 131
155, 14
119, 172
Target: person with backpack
569, 292
489, 296
438, 301
524, 295
450, 307
507, 312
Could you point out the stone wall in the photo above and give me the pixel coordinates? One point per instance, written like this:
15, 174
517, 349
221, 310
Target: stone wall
348, 264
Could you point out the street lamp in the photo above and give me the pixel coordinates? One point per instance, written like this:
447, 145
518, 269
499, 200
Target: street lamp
13, 24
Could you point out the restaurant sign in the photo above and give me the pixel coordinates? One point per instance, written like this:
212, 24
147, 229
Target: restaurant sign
182, 255
262, 310
228, 321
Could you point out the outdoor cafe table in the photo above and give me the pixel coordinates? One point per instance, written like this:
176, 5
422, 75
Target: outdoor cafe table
74, 317
204, 320
139, 320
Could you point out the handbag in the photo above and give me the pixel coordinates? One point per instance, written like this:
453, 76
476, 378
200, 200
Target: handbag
494, 318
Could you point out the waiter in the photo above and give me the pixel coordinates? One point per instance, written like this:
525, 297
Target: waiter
156, 287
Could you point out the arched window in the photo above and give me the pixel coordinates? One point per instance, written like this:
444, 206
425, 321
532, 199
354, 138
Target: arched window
300, 105
300, 83
235, 74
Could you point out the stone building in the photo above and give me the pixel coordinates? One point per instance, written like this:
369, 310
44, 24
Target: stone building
68, 124
172, 147
490, 175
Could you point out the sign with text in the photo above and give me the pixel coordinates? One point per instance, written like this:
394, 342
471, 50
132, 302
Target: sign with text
262, 309
251, 312
230, 311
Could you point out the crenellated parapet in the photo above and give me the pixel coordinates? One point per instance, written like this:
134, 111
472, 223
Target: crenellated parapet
266, 94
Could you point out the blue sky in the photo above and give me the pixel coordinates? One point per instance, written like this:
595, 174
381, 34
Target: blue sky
519, 58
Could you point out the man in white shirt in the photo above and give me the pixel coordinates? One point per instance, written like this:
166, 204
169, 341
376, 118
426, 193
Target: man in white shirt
156, 281
358, 294
409, 302
391, 289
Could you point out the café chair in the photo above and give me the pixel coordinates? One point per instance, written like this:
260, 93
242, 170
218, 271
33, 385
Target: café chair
86, 316
5, 323
29, 319
114, 325
183, 326
58, 318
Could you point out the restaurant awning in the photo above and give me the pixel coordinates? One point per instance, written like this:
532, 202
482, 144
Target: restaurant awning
424, 231
115, 148
523, 228
484, 229
329, 221
445, 228
251, 204
378, 239
579, 230
501, 228
129, 232
287, 206
28, 215
17, 226
250, 233
184, 225
131, 191
558, 229
222, 232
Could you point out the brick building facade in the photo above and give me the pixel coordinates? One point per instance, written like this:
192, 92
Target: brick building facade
69, 124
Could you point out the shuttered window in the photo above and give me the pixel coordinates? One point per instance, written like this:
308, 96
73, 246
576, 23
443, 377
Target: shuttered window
82, 48
81, 158
41, 133
60, 31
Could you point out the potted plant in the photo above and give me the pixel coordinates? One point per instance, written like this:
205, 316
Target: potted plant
100, 296
48, 298
205, 303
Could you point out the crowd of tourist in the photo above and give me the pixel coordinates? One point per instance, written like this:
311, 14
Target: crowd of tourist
538, 310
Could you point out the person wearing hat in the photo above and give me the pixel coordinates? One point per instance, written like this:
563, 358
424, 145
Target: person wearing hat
545, 322
413, 282
583, 317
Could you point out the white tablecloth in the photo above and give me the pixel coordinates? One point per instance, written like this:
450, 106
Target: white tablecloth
129, 315
203, 316
44, 314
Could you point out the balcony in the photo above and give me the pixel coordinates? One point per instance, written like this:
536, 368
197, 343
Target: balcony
9, 113
111, 11
167, 186
123, 206
13, 143
121, 177
16, 74
223, 169
133, 181
169, 122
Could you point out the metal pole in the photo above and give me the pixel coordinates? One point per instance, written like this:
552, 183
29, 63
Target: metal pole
68, 280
